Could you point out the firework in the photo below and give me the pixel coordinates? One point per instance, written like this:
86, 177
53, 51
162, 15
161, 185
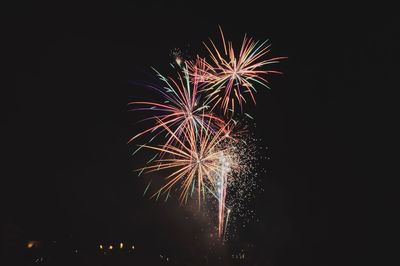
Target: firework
202, 162
201, 72
199, 150
230, 77
194, 162
180, 109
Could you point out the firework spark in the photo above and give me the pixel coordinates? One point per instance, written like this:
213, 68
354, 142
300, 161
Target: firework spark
177, 56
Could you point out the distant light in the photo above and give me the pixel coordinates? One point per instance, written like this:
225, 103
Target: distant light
110, 247
133, 247
101, 246
32, 244
121, 245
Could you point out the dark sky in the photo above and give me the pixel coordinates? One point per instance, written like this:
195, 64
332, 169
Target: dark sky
68, 169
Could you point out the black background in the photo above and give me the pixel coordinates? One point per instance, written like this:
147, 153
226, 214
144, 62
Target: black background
67, 172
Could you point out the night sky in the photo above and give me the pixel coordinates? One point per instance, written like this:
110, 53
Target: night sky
68, 168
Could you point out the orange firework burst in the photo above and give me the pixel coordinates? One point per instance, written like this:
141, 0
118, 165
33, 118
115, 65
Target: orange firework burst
230, 76
198, 159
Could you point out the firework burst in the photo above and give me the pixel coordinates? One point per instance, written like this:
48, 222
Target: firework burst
230, 76
195, 162
180, 109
